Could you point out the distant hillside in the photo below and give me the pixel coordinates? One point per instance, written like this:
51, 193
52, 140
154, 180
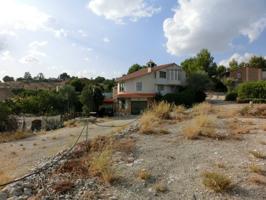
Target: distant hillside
6, 88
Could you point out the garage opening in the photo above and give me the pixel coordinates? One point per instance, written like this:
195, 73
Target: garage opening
138, 107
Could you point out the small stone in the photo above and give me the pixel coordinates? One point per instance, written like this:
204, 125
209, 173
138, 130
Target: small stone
3, 195
28, 191
16, 191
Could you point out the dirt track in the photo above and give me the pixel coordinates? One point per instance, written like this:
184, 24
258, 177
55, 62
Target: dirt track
18, 157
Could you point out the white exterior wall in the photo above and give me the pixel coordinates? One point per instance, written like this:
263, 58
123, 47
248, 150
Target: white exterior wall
150, 83
147, 84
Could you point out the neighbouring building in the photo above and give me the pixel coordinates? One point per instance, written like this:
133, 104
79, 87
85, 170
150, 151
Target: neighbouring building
136, 91
244, 74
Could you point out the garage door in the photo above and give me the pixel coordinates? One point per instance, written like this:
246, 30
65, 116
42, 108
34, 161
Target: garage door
138, 107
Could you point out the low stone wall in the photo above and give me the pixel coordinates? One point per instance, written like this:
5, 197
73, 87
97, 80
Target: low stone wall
39, 123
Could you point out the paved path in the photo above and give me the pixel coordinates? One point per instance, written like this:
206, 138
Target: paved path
17, 158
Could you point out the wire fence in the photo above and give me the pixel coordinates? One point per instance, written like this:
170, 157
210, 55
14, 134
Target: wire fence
54, 162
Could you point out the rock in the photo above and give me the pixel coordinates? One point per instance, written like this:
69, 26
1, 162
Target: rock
16, 191
3, 195
27, 191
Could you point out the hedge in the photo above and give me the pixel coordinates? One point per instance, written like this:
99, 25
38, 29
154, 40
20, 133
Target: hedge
187, 97
255, 90
231, 96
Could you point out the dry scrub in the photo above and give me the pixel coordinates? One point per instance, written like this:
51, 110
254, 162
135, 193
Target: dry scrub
203, 109
160, 187
63, 186
258, 180
144, 174
257, 154
254, 111
216, 181
95, 158
257, 169
101, 165
202, 125
157, 114
8, 137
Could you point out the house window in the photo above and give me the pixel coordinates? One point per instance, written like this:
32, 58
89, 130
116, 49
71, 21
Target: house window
179, 75
122, 87
176, 75
139, 86
162, 75
160, 88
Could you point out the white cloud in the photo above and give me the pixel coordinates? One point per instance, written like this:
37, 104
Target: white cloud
18, 16
60, 33
29, 59
213, 24
82, 33
34, 53
118, 10
5, 56
106, 40
238, 57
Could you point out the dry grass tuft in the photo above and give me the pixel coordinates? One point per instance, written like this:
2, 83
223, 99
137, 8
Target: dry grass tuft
179, 113
258, 179
162, 110
151, 117
101, 143
101, 166
254, 111
202, 125
144, 174
257, 154
8, 137
160, 187
257, 169
203, 109
125, 145
216, 181
63, 186
221, 165
148, 122
76, 167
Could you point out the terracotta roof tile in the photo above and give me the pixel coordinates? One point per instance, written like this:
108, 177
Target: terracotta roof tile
143, 72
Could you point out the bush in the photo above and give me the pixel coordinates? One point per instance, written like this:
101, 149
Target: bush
186, 97
218, 85
231, 96
216, 181
7, 123
252, 90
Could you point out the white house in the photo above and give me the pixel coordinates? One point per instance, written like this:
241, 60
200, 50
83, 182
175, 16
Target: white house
135, 91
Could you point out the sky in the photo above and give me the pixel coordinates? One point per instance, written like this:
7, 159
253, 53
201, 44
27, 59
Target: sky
89, 38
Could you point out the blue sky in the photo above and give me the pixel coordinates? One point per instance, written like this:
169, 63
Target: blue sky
87, 38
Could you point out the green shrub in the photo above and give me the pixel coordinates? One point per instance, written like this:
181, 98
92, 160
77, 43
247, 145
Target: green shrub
231, 96
187, 97
7, 123
255, 90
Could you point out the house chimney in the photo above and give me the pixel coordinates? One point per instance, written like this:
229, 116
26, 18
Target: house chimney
149, 69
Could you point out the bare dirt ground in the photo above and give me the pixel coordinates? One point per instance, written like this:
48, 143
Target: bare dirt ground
174, 165
178, 164
17, 158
